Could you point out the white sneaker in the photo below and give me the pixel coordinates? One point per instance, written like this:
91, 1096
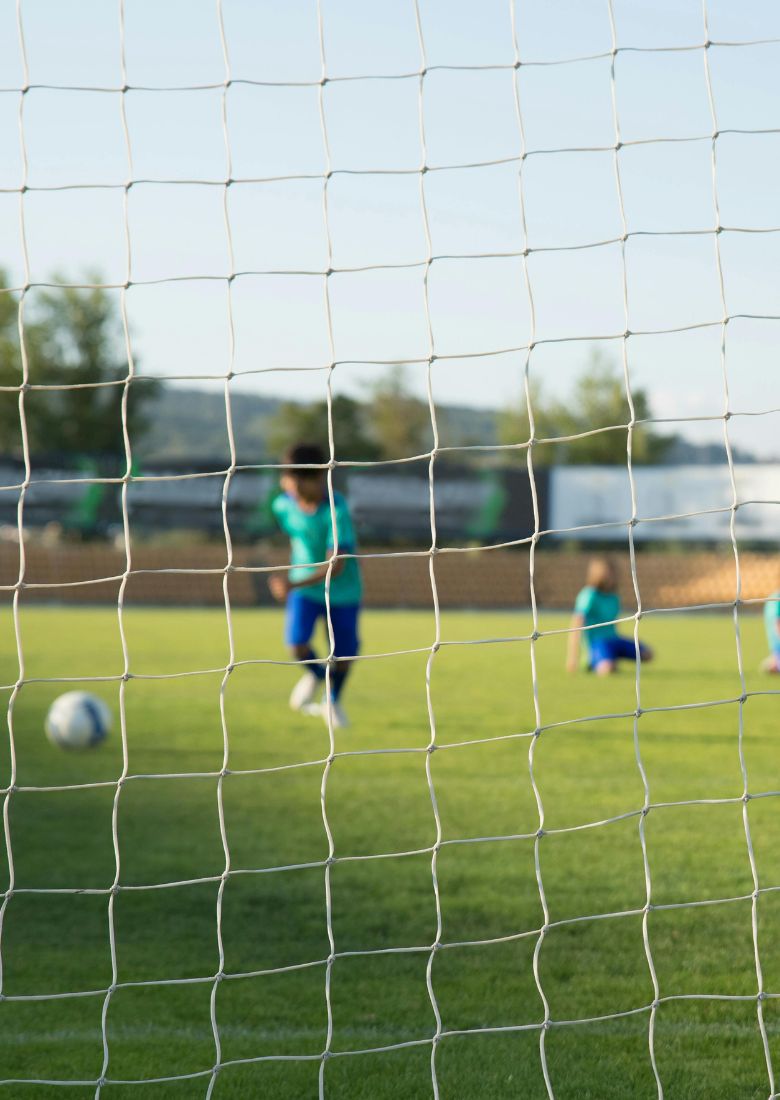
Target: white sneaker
338, 716
320, 710
304, 691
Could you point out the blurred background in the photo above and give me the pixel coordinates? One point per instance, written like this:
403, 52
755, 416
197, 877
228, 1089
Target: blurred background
127, 196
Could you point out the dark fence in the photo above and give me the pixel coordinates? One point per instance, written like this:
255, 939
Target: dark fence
390, 504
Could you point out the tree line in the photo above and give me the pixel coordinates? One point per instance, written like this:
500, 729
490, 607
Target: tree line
75, 351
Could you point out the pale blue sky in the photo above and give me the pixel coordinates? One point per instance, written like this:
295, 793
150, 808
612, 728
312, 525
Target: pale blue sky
75, 137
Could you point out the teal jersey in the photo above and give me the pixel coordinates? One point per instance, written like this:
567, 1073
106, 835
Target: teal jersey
311, 542
598, 608
772, 621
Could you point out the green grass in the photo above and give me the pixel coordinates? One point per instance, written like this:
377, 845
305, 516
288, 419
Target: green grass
379, 803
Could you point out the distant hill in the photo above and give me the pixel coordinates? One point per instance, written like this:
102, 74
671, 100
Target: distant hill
190, 424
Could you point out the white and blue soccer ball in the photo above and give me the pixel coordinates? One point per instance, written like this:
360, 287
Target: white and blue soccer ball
77, 720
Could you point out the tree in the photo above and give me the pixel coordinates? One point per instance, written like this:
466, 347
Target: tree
598, 401
400, 421
514, 425
73, 338
296, 422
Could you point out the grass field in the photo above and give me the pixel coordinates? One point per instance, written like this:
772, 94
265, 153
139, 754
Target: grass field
272, 1004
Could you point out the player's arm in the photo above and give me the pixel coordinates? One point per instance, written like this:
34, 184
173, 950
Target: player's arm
573, 651
280, 584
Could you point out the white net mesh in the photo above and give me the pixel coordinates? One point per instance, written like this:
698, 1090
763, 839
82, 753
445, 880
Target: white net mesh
434, 359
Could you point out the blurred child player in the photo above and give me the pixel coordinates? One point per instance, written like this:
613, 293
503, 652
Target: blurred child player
303, 512
772, 624
595, 610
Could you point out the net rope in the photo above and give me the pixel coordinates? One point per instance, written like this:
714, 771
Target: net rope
326, 763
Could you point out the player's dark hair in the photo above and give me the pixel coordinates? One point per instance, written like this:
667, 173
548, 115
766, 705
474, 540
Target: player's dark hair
302, 455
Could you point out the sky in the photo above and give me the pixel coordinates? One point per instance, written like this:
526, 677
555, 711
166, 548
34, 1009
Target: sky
478, 303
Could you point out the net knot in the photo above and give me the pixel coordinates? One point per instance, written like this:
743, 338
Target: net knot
746, 798
539, 834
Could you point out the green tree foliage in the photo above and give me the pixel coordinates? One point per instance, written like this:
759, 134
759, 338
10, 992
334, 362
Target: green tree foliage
598, 401
400, 421
73, 338
295, 423
391, 423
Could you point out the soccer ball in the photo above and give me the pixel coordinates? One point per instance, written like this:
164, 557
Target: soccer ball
77, 720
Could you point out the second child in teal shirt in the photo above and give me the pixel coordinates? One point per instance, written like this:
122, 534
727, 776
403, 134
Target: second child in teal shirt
596, 610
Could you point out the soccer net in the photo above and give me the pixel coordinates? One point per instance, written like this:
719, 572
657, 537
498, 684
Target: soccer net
279, 172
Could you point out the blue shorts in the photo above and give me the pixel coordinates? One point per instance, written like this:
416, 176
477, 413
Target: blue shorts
301, 618
613, 648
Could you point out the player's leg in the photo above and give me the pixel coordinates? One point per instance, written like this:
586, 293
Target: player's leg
772, 662
624, 649
300, 619
601, 659
346, 645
